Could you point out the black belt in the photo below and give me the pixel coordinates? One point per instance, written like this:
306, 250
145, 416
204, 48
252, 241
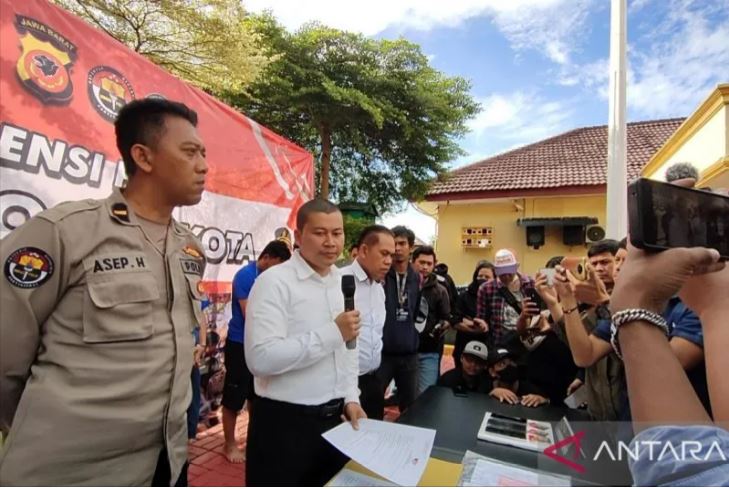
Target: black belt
335, 407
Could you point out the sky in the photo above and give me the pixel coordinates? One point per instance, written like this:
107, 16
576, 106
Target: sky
540, 67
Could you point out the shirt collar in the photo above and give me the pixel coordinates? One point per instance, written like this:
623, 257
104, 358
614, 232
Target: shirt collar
304, 270
359, 272
120, 210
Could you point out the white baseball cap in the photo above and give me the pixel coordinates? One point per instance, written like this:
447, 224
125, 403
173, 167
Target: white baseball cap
505, 262
477, 349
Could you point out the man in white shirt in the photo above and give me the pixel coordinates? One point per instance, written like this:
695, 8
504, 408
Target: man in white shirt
304, 375
376, 246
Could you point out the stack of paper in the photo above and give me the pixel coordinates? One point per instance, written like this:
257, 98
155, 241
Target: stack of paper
480, 471
396, 452
350, 478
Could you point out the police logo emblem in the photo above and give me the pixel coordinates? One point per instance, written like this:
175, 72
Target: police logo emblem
108, 91
45, 62
28, 267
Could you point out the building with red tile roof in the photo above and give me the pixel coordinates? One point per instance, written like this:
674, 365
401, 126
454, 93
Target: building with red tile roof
574, 161
540, 200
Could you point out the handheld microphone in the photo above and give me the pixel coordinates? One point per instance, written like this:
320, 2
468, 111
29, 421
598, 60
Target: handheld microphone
348, 288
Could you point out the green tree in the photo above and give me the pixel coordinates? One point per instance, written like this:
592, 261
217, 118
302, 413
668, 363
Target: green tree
205, 42
381, 121
352, 229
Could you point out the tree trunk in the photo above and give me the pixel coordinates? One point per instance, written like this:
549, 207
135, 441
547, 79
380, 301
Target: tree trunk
325, 135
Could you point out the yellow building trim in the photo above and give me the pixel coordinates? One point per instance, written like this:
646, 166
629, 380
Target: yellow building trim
713, 171
718, 99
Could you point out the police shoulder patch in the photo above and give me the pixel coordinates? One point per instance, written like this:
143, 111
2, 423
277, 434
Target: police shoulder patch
120, 211
28, 267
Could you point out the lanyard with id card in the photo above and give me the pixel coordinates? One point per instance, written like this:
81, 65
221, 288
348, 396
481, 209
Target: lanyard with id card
403, 314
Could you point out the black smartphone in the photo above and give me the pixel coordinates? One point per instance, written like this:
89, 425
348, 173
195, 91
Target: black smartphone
663, 216
534, 297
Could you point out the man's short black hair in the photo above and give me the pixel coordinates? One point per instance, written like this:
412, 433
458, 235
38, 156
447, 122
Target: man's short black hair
623, 244
402, 231
276, 249
317, 205
424, 250
605, 246
369, 235
143, 122
554, 261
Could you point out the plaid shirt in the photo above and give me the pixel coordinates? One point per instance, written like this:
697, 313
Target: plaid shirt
490, 306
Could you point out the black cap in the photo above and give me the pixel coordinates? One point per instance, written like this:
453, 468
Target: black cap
495, 356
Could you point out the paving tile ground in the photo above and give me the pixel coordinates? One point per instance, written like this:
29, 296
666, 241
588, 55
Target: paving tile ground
208, 465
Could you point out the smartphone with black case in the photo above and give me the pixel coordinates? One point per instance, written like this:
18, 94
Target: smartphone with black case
534, 297
663, 216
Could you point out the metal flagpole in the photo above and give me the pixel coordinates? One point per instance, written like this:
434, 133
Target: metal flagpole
617, 192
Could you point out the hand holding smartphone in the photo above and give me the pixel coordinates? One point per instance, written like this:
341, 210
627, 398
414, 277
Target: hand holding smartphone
577, 267
663, 216
549, 274
534, 297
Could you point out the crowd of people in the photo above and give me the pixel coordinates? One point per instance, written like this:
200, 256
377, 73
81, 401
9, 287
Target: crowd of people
99, 299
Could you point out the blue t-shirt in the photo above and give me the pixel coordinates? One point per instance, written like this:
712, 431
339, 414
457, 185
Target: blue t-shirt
602, 329
681, 322
706, 467
242, 285
684, 323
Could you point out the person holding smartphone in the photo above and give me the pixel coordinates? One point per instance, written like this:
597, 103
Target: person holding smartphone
469, 327
499, 300
548, 363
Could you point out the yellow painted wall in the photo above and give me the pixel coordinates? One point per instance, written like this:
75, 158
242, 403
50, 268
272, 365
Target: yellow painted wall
709, 144
702, 140
502, 217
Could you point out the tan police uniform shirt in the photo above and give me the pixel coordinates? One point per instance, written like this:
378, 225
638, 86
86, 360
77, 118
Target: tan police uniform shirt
95, 346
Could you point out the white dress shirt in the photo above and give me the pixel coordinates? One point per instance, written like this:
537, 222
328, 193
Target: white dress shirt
369, 300
293, 346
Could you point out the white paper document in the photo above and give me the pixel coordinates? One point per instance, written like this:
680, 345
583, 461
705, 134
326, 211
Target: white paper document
397, 452
350, 478
488, 473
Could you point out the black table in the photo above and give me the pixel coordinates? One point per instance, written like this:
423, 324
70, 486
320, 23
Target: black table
457, 421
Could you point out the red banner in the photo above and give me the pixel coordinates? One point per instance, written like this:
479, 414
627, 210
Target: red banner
62, 84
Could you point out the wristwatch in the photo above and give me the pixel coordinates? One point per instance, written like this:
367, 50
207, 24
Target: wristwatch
603, 312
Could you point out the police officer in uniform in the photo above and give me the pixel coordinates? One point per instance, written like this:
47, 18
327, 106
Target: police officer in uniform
99, 299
